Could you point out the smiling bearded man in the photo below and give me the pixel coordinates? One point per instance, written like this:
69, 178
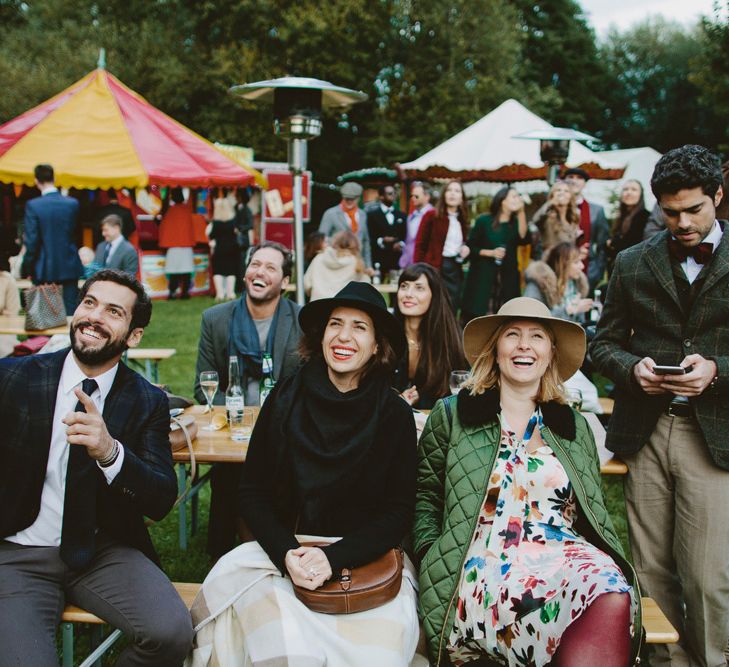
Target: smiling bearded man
261, 321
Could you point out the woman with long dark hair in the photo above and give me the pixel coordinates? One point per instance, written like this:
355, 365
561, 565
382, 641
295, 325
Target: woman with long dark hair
441, 240
632, 217
434, 340
493, 275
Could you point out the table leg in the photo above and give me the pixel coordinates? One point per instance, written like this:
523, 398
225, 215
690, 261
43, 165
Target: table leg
182, 507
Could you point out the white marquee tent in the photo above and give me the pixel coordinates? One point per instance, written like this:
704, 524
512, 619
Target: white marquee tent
488, 151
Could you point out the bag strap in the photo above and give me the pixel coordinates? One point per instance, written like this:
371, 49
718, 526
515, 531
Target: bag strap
193, 462
449, 410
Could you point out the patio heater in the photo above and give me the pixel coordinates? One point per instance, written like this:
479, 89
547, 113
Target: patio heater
298, 103
554, 146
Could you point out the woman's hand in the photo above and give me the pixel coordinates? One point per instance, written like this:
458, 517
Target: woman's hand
579, 306
411, 395
464, 251
308, 567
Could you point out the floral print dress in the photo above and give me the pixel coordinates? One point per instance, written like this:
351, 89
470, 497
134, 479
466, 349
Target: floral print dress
527, 573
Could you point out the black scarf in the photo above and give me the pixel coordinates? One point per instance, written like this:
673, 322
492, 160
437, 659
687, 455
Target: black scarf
330, 432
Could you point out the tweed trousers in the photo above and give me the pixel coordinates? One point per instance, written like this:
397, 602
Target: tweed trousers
678, 516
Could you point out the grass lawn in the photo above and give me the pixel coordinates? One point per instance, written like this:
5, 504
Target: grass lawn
177, 324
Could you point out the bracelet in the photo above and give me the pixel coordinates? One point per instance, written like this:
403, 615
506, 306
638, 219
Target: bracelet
109, 460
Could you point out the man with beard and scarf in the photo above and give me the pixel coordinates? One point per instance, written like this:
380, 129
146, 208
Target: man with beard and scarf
86, 457
260, 321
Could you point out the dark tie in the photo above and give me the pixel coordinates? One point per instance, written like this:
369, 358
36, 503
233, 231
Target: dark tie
79, 507
701, 253
107, 250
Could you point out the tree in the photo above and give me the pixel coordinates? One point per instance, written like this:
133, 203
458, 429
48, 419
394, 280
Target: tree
653, 100
710, 72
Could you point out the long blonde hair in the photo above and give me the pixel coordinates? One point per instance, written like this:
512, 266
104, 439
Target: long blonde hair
485, 372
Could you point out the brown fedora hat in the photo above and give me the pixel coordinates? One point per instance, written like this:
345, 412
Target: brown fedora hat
569, 336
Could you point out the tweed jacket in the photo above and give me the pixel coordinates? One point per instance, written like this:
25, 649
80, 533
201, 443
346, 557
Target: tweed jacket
136, 414
124, 258
455, 460
336, 220
212, 349
643, 317
49, 233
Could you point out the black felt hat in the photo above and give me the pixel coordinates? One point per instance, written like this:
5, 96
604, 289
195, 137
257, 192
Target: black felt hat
363, 297
576, 171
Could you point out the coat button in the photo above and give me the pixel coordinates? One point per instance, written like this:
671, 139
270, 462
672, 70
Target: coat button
687, 343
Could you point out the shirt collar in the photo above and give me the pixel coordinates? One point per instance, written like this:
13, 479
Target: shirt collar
115, 243
72, 376
386, 209
714, 236
49, 190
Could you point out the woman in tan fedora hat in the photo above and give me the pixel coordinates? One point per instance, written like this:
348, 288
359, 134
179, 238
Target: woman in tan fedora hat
520, 562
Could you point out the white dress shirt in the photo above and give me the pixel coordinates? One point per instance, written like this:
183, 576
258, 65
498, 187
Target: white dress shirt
690, 266
454, 237
45, 531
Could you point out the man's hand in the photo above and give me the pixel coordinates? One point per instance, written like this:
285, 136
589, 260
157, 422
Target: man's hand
694, 382
649, 382
88, 429
464, 251
308, 567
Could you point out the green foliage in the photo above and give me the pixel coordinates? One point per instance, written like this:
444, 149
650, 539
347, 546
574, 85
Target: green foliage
654, 100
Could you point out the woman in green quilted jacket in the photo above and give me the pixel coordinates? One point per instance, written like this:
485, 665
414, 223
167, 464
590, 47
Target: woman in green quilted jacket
520, 563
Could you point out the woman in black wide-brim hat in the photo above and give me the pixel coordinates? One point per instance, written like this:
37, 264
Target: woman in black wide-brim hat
332, 455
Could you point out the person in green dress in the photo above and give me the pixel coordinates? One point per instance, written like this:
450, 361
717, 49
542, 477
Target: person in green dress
493, 276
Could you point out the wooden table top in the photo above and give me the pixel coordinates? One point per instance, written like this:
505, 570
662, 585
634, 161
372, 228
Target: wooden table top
213, 446
153, 353
15, 325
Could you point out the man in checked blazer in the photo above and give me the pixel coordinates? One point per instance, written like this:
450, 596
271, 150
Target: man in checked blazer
668, 304
85, 456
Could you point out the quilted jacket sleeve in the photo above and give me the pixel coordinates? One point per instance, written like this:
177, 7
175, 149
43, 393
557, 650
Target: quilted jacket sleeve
430, 497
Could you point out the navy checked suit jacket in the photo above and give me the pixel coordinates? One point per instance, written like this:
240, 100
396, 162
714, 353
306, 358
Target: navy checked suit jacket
136, 414
643, 317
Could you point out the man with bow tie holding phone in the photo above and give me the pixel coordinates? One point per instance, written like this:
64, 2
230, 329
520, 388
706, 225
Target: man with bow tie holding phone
387, 230
668, 304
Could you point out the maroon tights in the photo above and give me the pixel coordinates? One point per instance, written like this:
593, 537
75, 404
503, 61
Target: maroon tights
600, 636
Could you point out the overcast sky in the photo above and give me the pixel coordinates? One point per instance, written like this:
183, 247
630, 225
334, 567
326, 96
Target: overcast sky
623, 13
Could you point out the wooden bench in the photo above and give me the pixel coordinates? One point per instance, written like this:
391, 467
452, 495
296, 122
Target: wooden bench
149, 358
658, 629
607, 405
73, 614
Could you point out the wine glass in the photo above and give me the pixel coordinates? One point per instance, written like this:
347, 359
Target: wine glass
457, 379
209, 384
574, 398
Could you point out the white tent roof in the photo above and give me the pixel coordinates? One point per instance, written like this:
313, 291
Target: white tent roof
487, 151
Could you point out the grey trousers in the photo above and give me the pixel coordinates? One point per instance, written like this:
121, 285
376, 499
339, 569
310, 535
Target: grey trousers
678, 515
121, 585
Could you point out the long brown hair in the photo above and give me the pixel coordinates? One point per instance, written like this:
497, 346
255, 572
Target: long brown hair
441, 347
442, 211
485, 373
558, 259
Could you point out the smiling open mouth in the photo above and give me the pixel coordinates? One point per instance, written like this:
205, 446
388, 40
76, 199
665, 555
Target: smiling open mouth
258, 283
342, 353
523, 362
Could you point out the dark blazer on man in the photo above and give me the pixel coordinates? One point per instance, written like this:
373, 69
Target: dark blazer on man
644, 317
212, 350
124, 258
379, 227
49, 232
136, 414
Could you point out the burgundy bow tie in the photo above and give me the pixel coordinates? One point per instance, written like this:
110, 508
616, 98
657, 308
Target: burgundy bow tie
701, 253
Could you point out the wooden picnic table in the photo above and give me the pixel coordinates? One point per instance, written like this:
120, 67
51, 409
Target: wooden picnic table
15, 325
383, 288
148, 358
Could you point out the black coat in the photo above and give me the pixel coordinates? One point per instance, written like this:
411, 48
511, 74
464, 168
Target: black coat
372, 512
378, 227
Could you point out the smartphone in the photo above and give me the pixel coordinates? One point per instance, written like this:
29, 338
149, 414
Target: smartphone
671, 370
176, 412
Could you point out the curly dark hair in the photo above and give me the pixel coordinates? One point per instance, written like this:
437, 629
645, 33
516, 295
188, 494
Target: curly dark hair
684, 168
287, 263
142, 310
